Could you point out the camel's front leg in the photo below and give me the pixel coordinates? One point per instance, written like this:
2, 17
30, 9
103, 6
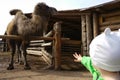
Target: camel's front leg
11, 66
24, 47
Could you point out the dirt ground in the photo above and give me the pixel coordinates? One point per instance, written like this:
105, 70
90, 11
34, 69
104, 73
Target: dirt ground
38, 71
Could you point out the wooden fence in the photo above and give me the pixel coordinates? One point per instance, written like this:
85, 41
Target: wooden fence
56, 43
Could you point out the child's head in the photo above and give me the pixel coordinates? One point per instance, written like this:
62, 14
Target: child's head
105, 51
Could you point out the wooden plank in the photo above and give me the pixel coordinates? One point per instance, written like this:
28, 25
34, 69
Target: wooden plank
110, 14
40, 44
31, 37
37, 41
112, 27
110, 23
35, 48
47, 57
33, 52
69, 14
35, 45
46, 44
47, 54
10, 37
72, 42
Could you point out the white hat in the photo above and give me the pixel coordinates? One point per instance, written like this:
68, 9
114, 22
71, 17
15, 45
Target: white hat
105, 50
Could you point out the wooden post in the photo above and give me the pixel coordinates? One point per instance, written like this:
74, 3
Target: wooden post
89, 31
57, 45
95, 25
84, 37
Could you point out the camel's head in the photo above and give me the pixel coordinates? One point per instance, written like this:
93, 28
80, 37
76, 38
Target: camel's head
44, 10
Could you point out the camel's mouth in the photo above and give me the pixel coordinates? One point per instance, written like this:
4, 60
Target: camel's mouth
42, 6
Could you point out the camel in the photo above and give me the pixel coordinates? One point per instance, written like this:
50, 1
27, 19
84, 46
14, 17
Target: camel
23, 26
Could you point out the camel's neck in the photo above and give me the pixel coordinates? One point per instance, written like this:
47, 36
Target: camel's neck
38, 19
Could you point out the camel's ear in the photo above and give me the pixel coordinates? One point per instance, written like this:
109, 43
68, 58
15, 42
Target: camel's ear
14, 11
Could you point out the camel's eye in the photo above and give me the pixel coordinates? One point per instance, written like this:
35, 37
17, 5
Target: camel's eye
47, 7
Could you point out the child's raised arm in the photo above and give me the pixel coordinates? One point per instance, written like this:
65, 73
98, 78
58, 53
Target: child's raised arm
77, 57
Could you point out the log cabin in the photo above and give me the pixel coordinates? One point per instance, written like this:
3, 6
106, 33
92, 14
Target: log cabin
82, 25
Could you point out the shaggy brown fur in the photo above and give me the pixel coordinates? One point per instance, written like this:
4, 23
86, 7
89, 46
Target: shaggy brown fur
25, 27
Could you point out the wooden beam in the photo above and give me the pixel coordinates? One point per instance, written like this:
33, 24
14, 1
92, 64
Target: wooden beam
70, 14
46, 44
49, 34
31, 37
89, 31
84, 36
10, 37
95, 24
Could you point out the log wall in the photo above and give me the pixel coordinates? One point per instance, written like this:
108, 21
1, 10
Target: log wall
109, 19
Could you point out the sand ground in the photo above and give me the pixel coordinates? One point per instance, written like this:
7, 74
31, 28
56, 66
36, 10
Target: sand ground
38, 71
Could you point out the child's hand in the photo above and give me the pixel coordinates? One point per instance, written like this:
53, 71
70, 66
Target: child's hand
77, 57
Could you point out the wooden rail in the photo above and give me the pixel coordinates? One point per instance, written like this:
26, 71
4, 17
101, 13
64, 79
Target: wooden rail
31, 37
